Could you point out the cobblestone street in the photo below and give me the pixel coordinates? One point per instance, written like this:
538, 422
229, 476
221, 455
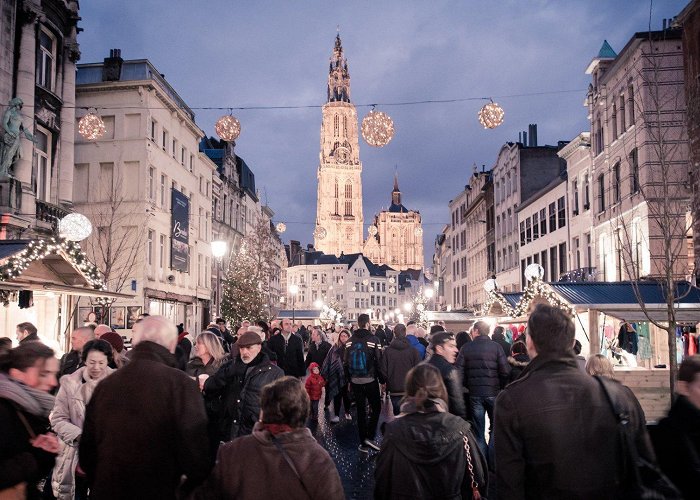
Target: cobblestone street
341, 440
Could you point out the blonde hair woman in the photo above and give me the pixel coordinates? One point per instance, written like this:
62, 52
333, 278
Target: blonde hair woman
209, 355
600, 365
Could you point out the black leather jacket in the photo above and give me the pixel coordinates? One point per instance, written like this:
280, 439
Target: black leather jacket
423, 456
453, 382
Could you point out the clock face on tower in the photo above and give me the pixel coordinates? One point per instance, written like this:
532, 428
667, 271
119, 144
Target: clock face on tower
342, 155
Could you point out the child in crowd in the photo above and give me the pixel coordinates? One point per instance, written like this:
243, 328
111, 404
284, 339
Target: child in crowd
314, 385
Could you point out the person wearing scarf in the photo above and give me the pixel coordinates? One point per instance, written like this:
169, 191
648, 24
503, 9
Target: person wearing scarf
423, 451
280, 442
27, 448
68, 416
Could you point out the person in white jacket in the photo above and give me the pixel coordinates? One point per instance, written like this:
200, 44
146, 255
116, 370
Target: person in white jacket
69, 413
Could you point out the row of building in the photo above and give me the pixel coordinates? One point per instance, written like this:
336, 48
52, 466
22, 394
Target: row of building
617, 202
152, 174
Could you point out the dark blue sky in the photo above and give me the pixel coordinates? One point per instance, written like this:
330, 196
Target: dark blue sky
219, 53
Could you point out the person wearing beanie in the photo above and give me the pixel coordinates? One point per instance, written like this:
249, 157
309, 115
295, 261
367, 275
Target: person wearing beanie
115, 340
314, 386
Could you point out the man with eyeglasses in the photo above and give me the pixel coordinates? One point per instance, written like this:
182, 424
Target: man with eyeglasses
444, 348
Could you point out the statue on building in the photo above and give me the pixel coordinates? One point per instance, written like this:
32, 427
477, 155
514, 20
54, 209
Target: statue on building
11, 145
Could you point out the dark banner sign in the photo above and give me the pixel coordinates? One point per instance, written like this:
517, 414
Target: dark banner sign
180, 234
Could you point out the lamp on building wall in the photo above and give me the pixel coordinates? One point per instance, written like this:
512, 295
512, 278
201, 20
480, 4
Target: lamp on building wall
293, 290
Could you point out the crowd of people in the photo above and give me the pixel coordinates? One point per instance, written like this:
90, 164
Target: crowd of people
226, 413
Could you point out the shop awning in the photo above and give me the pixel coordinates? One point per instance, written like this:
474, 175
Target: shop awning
51, 265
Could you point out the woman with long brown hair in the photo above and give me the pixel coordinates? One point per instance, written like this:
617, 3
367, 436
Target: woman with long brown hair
426, 451
333, 372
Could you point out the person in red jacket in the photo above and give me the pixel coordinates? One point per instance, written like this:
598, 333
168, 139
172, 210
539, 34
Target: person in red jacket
314, 384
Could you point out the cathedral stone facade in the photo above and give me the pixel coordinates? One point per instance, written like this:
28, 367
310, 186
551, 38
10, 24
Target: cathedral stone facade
396, 236
339, 208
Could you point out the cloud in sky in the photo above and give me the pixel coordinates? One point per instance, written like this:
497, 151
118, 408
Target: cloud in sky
275, 53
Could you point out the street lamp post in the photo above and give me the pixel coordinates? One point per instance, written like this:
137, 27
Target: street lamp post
293, 290
218, 250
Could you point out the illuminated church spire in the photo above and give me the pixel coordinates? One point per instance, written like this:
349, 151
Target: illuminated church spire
338, 75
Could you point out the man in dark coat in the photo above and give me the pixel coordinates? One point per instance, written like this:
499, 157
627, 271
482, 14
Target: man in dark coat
486, 371
396, 361
318, 348
555, 433
444, 355
241, 381
362, 355
71, 361
289, 349
145, 426
499, 338
677, 437
27, 332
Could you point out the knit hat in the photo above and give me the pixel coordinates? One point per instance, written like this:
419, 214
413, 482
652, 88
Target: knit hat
248, 339
313, 365
114, 339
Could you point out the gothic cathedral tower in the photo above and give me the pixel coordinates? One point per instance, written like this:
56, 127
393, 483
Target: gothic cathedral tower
339, 217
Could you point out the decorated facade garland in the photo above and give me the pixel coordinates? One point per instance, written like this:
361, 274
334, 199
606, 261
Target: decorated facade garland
537, 287
40, 249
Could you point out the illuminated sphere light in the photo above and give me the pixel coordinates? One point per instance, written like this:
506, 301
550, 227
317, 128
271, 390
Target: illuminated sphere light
372, 230
365, 281
490, 285
320, 232
74, 227
91, 127
377, 129
392, 289
281, 227
491, 115
228, 128
418, 231
392, 280
534, 271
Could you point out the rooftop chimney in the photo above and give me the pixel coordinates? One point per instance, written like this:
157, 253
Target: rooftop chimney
532, 128
112, 68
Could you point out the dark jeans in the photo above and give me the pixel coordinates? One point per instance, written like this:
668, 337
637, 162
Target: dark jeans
344, 397
481, 406
314, 409
396, 404
81, 488
364, 393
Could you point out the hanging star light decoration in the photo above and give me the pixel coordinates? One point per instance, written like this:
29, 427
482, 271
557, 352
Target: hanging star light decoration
377, 128
228, 128
491, 115
40, 249
91, 126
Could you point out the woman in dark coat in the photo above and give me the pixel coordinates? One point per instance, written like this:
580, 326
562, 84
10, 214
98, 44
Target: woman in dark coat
518, 359
426, 450
27, 448
333, 372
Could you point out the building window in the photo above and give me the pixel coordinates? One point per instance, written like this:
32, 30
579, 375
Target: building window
614, 122
577, 253
522, 233
634, 170
630, 103
561, 212
598, 137
153, 129
164, 137
149, 248
183, 154
562, 258
45, 63
616, 183
623, 125
161, 257
543, 263
575, 196
43, 164
552, 217
528, 230
174, 148
535, 226
543, 222
191, 163
589, 250
601, 193
553, 267
586, 193
163, 184
152, 183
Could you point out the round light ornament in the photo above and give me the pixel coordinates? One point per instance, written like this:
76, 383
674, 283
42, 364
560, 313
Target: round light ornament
490, 285
91, 127
392, 289
365, 282
74, 227
377, 129
534, 271
281, 227
418, 231
320, 232
228, 128
372, 230
491, 115
392, 280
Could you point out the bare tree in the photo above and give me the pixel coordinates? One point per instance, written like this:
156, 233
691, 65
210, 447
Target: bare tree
116, 243
659, 223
